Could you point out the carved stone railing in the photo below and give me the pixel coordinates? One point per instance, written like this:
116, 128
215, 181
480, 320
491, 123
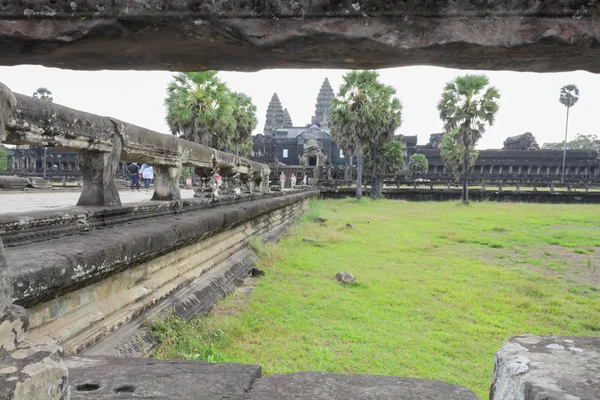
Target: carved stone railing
103, 141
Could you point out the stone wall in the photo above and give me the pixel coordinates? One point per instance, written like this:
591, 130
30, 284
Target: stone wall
89, 283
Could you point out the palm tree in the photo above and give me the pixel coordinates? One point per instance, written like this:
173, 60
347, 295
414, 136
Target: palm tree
244, 114
569, 95
200, 109
467, 104
452, 154
365, 113
43, 94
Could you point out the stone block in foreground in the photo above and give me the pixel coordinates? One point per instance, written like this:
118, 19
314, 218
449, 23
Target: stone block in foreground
325, 386
547, 368
147, 378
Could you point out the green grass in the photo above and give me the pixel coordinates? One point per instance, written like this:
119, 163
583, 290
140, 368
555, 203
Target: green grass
441, 287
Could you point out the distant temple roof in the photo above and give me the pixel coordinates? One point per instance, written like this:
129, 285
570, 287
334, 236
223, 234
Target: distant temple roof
295, 131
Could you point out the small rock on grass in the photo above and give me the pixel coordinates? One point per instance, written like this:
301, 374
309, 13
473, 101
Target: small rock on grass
313, 242
345, 277
320, 220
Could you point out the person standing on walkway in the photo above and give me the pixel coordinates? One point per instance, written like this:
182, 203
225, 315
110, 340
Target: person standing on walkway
147, 175
134, 170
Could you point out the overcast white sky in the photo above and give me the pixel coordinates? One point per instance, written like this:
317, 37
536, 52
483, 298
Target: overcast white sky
529, 101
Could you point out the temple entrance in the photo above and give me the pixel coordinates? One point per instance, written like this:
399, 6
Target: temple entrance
312, 161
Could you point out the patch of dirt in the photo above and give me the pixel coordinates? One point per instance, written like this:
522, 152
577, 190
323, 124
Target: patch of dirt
552, 260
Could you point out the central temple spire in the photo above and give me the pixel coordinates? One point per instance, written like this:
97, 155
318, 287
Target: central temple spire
323, 106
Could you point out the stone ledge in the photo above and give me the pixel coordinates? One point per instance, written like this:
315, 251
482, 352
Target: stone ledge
533, 367
43, 271
325, 386
111, 378
18, 229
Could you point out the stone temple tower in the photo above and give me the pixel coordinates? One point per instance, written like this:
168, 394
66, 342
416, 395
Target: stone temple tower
276, 117
322, 108
287, 122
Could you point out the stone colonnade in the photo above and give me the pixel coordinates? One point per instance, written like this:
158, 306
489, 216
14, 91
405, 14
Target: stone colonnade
103, 142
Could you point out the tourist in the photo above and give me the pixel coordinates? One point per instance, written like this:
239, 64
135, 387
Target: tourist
293, 180
134, 169
305, 180
147, 175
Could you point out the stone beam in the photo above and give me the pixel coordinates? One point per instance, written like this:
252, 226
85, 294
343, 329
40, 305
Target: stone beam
184, 35
102, 142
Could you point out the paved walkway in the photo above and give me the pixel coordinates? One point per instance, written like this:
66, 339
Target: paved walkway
30, 201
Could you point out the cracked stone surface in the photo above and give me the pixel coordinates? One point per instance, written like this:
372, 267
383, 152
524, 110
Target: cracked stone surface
547, 368
110, 378
185, 35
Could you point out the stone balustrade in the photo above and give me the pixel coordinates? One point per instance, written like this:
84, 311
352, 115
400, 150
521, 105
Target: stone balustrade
103, 141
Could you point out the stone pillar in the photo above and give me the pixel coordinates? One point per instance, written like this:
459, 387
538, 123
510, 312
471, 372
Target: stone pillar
510, 169
26, 372
166, 183
500, 170
98, 172
520, 169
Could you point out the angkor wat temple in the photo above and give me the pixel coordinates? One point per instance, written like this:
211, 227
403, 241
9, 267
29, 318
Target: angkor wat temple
286, 146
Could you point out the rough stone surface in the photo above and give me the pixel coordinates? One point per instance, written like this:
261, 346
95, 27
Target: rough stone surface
547, 368
525, 141
111, 378
345, 277
43, 271
30, 373
38, 183
184, 35
12, 183
324, 386
98, 171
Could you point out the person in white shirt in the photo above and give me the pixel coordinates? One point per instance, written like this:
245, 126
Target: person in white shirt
148, 175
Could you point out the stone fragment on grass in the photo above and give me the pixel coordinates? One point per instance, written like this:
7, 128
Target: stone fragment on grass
534, 367
313, 242
345, 277
320, 220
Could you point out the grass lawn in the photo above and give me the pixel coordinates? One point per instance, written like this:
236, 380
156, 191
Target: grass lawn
441, 287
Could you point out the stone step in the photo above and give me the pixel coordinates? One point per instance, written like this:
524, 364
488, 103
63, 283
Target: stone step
114, 378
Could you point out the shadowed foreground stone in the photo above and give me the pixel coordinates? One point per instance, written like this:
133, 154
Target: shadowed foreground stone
192, 35
324, 386
547, 368
143, 378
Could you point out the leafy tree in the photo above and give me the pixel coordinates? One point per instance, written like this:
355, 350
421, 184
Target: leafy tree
200, 109
244, 114
43, 94
365, 113
3, 159
569, 95
418, 164
452, 153
579, 142
389, 159
245, 149
467, 104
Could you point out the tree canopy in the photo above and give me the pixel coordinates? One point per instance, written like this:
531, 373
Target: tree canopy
389, 160
3, 158
364, 114
418, 164
579, 142
452, 153
466, 106
201, 108
43, 94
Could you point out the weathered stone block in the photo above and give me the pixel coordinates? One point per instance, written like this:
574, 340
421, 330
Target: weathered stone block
12, 183
29, 373
110, 378
38, 183
547, 368
324, 386
98, 171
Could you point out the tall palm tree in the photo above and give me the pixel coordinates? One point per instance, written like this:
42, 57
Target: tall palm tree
364, 113
569, 95
244, 114
467, 104
200, 108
